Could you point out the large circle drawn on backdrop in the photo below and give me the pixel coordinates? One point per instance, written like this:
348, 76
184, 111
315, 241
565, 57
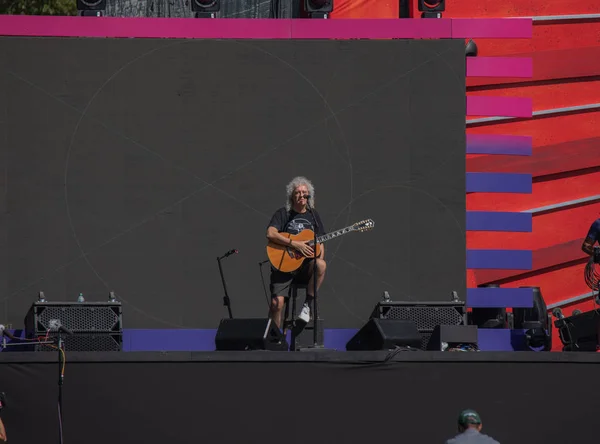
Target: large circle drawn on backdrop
81, 160
403, 215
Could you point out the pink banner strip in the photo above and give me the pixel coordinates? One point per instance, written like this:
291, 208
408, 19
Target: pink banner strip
372, 29
493, 28
499, 67
499, 106
44, 26
21, 25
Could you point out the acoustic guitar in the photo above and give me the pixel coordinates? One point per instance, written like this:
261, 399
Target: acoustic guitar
287, 259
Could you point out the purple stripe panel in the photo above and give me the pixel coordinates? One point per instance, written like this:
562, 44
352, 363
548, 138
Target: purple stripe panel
499, 221
335, 338
498, 183
492, 28
492, 144
500, 297
44, 26
499, 106
499, 67
501, 339
500, 259
371, 29
490, 339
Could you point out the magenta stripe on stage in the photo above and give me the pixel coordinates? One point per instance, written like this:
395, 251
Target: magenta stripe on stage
492, 28
499, 221
500, 297
496, 144
499, 67
499, 106
371, 28
44, 26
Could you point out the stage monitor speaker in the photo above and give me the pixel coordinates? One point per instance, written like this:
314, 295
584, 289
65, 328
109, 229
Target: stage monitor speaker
385, 334
534, 317
488, 317
580, 332
249, 334
445, 337
425, 314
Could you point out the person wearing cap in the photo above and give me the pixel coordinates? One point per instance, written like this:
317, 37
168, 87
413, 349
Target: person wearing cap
469, 428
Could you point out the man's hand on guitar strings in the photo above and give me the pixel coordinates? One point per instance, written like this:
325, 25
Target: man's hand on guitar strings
304, 248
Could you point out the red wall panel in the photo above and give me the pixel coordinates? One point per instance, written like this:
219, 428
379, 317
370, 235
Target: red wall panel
548, 130
544, 193
548, 229
545, 37
365, 9
566, 155
547, 96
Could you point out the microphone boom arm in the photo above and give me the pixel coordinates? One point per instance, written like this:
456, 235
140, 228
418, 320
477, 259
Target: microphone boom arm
226, 300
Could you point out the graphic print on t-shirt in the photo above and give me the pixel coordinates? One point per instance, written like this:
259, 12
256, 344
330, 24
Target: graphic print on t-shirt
299, 224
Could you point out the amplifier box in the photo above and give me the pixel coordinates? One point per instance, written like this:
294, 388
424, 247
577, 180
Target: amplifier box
86, 342
96, 326
79, 317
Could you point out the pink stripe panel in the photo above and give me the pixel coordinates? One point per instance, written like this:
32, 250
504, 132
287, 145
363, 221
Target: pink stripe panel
22, 25
493, 28
499, 67
372, 29
44, 26
499, 106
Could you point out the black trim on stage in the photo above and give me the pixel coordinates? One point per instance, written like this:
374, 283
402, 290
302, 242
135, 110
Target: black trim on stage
257, 397
320, 357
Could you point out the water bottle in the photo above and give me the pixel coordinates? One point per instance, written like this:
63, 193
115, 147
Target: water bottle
80, 298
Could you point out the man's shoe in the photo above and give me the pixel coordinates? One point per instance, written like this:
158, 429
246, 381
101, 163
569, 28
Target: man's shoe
304, 315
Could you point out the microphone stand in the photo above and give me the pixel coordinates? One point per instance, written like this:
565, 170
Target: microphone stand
61, 378
226, 300
315, 304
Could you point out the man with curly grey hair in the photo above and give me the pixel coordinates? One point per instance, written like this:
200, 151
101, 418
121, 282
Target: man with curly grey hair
298, 214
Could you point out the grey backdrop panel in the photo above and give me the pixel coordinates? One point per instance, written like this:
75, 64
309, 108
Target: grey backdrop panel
133, 164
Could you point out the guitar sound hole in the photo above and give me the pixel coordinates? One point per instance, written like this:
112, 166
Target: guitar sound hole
294, 254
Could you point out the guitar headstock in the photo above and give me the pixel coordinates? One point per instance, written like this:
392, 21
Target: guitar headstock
364, 225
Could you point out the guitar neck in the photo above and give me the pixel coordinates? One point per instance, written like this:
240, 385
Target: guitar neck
334, 234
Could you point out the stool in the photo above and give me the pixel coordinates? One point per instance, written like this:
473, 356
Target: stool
300, 333
292, 296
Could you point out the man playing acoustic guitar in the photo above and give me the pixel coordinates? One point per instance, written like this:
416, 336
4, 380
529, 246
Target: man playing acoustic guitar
297, 215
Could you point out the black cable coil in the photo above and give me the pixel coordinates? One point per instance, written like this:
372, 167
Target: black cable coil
591, 274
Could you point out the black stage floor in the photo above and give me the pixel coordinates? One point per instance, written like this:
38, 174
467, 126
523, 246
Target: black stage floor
309, 355
316, 397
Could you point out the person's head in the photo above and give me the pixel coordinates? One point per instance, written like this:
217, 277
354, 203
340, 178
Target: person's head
296, 192
469, 419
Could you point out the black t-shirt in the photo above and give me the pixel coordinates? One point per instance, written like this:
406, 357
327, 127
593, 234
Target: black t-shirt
294, 223
594, 232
